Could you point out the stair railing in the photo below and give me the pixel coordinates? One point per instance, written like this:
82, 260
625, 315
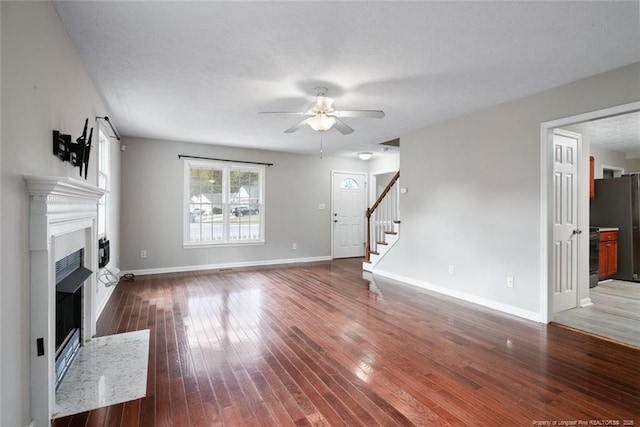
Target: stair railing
381, 216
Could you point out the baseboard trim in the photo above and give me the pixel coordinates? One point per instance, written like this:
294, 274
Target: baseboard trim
505, 308
586, 302
225, 266
105, 301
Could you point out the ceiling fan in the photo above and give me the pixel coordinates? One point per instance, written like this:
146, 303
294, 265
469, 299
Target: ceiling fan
322, 116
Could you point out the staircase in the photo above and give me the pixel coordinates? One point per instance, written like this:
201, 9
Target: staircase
383, 225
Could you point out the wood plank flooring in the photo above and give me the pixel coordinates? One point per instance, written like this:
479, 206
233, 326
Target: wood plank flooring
319, 345
615, 312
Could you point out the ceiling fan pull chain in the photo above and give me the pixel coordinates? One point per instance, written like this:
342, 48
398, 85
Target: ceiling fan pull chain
321, 151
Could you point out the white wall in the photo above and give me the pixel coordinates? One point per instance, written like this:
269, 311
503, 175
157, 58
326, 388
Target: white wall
474, 195
601, 156
381, 169
44, 87
382, 180
385, 162
152, 206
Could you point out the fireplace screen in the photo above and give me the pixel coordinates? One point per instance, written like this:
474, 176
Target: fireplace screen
70, 275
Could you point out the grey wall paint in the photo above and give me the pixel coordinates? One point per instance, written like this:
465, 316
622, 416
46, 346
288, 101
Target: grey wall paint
44, 87
152, 205
632, 165
474, 192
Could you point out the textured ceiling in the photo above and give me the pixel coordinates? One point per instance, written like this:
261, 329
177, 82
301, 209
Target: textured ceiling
618, 133
201, 71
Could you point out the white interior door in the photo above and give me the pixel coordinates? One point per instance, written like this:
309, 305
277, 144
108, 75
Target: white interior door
348, 214
565, 221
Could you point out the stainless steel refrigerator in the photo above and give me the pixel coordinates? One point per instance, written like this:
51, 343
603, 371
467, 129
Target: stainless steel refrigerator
617, 204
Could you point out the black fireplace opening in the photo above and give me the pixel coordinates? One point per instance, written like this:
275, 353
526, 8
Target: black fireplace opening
68, 316
70, 277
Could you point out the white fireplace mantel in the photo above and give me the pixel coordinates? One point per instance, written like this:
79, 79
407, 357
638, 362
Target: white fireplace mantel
56, 200
58, 206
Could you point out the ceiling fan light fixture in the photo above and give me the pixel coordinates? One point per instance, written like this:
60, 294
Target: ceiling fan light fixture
324, 103
321, 122
365, 155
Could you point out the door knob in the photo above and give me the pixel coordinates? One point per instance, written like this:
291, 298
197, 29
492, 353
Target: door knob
335, 220
576, 231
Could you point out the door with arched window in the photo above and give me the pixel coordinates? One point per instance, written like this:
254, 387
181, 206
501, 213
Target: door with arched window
348, 203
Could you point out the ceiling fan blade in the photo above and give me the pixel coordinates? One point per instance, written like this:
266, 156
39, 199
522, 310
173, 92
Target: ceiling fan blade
376, 114
297, 126
284, 112
342, 127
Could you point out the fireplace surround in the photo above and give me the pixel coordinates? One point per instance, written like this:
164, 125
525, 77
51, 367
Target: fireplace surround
63, 219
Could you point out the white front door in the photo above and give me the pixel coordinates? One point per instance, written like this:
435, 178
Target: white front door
348, 214
566, 233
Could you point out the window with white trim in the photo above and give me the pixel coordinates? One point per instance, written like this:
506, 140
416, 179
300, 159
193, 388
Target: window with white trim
223, 203
103, 181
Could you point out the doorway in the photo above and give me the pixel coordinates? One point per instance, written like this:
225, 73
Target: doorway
348, 194
548, 206
612, 171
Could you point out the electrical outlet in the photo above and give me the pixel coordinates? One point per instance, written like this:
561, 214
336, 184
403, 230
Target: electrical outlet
451, 269
294, 246
143, 254
510, 282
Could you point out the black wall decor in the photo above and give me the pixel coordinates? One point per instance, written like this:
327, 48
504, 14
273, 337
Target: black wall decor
77, 153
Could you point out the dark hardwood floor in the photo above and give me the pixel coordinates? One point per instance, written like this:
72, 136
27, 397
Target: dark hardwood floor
319, 345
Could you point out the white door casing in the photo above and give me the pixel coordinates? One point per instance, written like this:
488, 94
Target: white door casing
348, 203
566, 232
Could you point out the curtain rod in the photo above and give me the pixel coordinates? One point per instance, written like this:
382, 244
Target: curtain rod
106, 119
180, 156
